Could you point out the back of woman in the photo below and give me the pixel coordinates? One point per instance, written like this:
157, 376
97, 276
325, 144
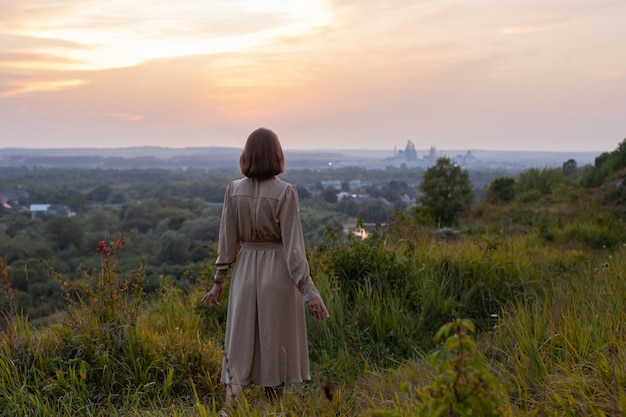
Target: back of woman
261, 239
257, 206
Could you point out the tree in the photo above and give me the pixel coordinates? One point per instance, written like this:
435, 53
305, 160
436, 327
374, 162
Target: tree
174, 248
329, 195
65, 232
100, 194
375, 211
348, 206
540, 182
569, 167
446, 192
394, 190
501, 189
101, 220
141, 215
303, 192
606, 164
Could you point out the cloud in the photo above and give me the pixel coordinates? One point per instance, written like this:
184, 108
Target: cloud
34, 60
27, 52
113, 34
26, 86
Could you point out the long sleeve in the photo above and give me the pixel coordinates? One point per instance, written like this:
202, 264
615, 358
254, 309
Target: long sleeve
228, 241
293, 244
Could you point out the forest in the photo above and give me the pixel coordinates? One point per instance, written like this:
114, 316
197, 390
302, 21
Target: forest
470, 293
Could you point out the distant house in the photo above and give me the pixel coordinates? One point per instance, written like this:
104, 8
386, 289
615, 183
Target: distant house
336, 184
51, 209
343, 194
36, 209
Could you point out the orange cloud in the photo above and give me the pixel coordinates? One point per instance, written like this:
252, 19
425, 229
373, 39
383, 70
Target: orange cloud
15, 88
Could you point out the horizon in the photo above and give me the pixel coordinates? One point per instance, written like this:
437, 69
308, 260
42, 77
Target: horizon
520, 77
397, 148
295, 150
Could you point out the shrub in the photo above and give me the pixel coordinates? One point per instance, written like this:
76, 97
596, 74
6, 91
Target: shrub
463, 385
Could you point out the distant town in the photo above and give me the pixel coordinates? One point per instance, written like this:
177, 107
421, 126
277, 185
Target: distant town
149, 157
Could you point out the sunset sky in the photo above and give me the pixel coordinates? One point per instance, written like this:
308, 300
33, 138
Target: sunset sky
337, 74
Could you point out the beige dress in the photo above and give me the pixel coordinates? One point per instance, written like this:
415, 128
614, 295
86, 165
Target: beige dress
261, 234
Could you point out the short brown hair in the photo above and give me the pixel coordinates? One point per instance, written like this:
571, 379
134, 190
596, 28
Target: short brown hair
262, 156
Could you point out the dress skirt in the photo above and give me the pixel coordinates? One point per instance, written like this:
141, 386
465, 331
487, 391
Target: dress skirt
266, 341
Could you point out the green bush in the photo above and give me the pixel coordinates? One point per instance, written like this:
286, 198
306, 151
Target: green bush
368, 262
463, 386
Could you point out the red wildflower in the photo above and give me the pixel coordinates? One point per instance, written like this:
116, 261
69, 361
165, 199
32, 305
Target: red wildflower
103, 249
120, 241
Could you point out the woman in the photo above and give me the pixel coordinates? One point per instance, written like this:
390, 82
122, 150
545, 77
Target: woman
261, 238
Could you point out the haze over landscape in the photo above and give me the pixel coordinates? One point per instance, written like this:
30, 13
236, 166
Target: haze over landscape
339, 74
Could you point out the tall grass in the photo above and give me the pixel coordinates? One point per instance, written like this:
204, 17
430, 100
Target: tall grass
565, 353
388, 298
550, 330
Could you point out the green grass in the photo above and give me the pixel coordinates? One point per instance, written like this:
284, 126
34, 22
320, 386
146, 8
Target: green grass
550, 328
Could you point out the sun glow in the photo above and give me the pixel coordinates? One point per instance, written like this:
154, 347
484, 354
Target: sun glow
164, 32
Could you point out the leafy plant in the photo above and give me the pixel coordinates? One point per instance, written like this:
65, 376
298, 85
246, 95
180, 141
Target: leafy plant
464, 385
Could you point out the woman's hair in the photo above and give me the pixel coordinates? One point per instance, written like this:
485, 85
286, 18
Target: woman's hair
262, 156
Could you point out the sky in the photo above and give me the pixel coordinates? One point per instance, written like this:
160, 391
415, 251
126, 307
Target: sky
536, 75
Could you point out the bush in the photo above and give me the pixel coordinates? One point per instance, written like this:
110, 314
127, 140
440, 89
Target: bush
463, 386
367, 262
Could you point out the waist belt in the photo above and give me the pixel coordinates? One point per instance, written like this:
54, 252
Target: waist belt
261, 245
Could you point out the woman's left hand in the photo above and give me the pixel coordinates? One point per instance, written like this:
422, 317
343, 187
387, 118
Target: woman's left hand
318, 309
214, 296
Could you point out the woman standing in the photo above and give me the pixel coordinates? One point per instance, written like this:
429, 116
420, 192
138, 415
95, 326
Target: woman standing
261, 239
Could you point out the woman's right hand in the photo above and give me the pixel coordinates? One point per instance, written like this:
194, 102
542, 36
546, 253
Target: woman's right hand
317, 308
214, 296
